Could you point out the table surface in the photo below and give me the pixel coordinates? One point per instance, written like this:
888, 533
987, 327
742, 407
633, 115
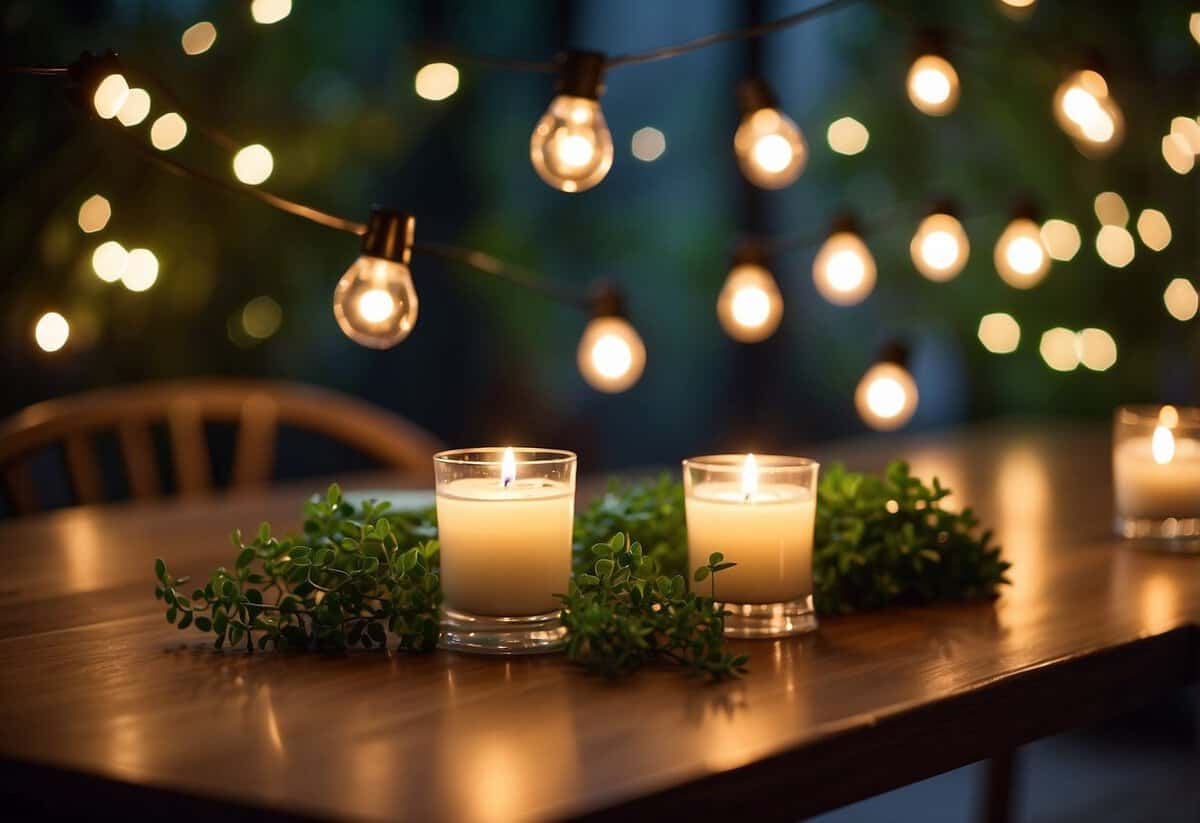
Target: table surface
100, 696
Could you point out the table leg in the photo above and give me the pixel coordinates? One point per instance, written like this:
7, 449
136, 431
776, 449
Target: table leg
998, 791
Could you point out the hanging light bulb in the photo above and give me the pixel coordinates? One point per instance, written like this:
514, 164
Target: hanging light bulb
769, 146
932, 80
1088, 113
940, 247
571, 146
886, 396
374, 302
1020, 257
749, 306
611, 354
844, 270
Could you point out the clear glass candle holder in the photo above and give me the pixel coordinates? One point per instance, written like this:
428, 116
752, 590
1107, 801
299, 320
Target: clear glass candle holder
505, 519
1156, 475
759, 511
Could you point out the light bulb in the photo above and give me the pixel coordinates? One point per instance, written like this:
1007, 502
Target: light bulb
769, 146
611, 354
375, 303
51, 331
749, 306
933, 85
199, 38
844, 270
1020, 258
571, 146
940, 247
253, 164
1088, 114
886, 396
110, 95
135, 108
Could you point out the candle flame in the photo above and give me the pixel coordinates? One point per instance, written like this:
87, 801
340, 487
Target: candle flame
508, 468
1168, 416
1162, 445
749, 478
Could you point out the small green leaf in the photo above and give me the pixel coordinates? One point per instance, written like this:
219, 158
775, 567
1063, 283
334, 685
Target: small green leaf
204, 624
160, 569
245, 558
715, 558
700, 574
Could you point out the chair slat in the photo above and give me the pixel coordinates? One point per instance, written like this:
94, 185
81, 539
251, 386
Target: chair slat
193, 474
19, 484
141, 466
254, 455
83, 469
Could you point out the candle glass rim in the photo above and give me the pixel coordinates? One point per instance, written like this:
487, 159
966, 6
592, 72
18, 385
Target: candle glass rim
549, 457
1148, 414
766, 463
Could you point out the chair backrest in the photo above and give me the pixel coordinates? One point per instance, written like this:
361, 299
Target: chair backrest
257, 408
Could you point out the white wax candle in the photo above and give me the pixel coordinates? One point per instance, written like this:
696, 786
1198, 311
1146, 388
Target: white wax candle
768, 534
1157, 483
506, 550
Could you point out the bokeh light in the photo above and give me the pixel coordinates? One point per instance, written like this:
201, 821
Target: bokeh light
253, 164
886, 397
94, 214
1087, 113
1058, 348
270, 11
261, 317
436, 81
1096, 349
940, 248
1061, 239
1181, 299
933, 85
168, 131
1194, 25
199, 38
847, 136
1111, 209
750, 306
844, 270
1177, 153
1019, 257
109, 261
51, 331
648, 144
1154, 229
1115, 246
135, 108
611, 354
141, 270
110, 96
1188, 130
770, 148
999, 333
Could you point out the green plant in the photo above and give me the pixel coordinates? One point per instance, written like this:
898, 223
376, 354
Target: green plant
652, 510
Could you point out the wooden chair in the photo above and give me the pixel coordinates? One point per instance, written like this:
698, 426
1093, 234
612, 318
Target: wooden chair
258, 408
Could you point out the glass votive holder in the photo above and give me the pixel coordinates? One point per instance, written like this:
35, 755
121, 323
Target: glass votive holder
1156, 475
759, 511
505, 518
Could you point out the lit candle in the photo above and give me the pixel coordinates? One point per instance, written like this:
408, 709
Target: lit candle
505, 531
759, 513
1156, 471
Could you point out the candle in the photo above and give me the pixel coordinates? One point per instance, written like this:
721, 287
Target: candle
759, 513
1156, 472
504, 526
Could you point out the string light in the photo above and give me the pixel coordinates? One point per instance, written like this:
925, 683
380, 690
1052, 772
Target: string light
887, 397
1058, 348
168, 131
94, 214
141, 270
611, 354
999, 333
1087, 113
135, 108
1096, 349
1061, 239
844, 270
769, 146
1177, 153
750, 306
109, 261
1154, 229
110, 96
1189, 130
51, 331
253, 164
261, 317
1114, 244
1181, 299
270, 11
1020, 258
940, 248
436, 81
648, 144
847, 136
1111, 209
571, 146
933, 84
375, 303
198, 38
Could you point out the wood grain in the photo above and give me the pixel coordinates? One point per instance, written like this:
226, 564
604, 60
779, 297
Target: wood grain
101, 698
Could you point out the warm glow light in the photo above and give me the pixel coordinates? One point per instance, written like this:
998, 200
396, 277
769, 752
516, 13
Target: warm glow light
270, 11
571, 146
94, 214
1181, 299
1087, 113
135, 108
749, 306
999, 333
847, 136
611, 354
261, 317
844, 270
1019, 256
940, 248
886, 396
1162, 445
1111, 209
508, 467
648, 144
749, 478
253, 164
110, 96
1177, 153
1097, 349
141, 270
437, 81
1188, 130
1061, 239
1115, 246
1168, 416
1058, 348
51, 331
933, 85
1194, 25
109, 261
375, 303
1154, 229
199, 38
770, 148
168, 131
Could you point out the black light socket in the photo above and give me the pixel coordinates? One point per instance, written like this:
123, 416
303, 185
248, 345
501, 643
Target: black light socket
894, 351
581, 74
389, 235
930, 41
755, 94
606, 300
945, 207
1026, 209
845, 222
87, 72
749, 252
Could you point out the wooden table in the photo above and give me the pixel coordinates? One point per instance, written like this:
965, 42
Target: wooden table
104, 703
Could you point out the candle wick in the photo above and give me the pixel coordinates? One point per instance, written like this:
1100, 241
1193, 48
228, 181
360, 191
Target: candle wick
507, 480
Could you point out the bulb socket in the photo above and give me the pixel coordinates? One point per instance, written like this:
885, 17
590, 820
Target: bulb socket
389, 235
845, 222
606, 300
87, 72
755, 94
894, 351
929, 41
945, 206
1026, 209
581, 74
750, 252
